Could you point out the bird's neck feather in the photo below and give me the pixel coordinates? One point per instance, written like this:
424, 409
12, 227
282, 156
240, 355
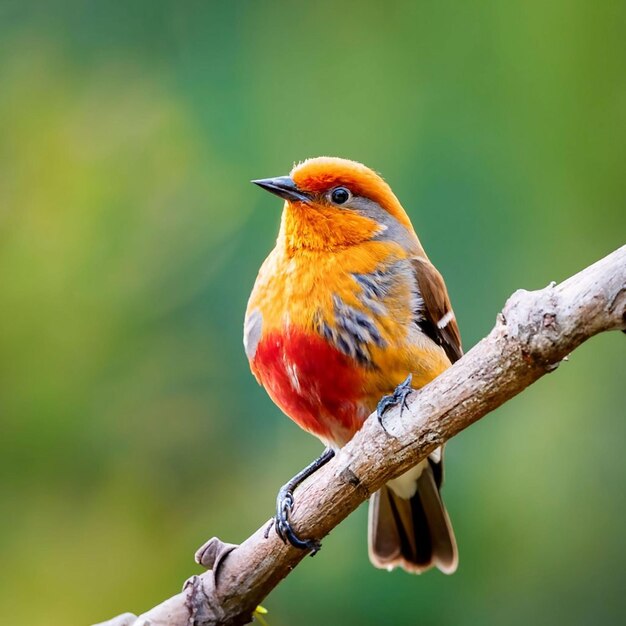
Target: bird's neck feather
308, 227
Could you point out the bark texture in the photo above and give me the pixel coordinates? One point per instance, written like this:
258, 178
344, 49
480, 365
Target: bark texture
534, 333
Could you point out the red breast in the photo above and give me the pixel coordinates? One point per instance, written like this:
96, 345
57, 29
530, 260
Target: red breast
314, 383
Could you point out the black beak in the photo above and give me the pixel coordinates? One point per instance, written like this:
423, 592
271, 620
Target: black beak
284, 187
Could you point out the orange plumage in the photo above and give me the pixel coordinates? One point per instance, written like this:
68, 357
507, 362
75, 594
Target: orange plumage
345, 306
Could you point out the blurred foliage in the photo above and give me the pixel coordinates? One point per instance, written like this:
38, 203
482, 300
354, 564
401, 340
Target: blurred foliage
131, 429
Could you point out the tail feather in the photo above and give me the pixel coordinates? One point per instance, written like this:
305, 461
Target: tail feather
413, 533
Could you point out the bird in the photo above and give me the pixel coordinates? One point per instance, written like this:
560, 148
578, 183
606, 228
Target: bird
347, 316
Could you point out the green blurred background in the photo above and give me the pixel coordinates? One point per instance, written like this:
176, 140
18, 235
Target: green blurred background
130, 237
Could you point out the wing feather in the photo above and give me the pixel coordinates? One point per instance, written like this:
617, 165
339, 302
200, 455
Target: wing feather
437, 318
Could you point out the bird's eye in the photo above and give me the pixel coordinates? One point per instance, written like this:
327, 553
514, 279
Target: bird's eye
340, 195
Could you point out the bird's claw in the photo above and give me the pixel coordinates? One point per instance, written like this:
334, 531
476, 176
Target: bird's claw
284, 506
399, 396
285, 502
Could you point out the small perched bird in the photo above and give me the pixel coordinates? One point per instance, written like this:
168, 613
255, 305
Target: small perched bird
345, 308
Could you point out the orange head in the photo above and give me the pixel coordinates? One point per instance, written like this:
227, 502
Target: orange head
333, 203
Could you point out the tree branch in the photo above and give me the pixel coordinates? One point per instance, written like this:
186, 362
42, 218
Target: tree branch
533, 334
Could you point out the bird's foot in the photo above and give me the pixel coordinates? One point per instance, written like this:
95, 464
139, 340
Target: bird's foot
284, 506
399, 396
